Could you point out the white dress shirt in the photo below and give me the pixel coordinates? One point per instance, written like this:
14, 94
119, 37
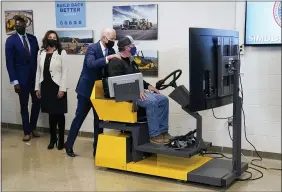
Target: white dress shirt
15, 82
104, 50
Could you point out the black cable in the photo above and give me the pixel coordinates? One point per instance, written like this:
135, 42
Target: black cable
216, 153
250, 177
229, 132
261, 174
220, 117
245, 133
224, 156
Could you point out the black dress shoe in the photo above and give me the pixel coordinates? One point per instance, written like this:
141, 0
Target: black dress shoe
52, 143
69, 151
60, 146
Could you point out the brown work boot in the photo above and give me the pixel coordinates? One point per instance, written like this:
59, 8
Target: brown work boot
35, 133
159, 140
167, 136
26, 138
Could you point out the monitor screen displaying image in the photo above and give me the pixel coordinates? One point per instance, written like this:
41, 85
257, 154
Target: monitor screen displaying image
263, 23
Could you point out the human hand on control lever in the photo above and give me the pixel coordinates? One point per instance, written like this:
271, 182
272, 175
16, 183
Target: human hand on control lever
153, 89
143, 96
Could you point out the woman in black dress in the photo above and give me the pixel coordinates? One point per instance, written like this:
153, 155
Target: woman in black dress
50, 86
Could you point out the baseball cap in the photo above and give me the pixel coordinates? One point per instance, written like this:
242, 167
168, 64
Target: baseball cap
125, 41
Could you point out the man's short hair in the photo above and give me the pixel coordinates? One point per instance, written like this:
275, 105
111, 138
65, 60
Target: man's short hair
19, 18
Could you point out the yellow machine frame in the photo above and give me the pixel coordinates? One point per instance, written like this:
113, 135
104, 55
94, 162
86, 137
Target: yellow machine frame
110, 110
113, 149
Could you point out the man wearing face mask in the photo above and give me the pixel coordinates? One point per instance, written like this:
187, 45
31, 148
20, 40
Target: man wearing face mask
97, 57
21, 60
156, 104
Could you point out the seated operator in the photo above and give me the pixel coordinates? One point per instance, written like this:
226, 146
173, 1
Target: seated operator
156, 105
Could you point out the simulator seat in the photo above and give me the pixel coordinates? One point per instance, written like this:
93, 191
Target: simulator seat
116, 109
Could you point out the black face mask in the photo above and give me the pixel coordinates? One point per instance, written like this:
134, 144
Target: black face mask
20, 30
110, 44
52, 42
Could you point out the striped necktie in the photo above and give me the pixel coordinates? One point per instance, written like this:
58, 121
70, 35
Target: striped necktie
25, 45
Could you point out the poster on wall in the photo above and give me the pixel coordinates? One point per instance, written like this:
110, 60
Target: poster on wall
138, 21
70, 14
76, 42
147, 62
10, 20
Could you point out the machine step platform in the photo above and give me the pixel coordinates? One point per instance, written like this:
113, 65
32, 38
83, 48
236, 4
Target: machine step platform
163, 150
142, 143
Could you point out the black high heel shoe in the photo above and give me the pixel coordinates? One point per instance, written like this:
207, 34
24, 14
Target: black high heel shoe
61, 146
52, 143
69, 151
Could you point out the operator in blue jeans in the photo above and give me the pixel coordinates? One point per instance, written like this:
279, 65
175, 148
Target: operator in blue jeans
156, 104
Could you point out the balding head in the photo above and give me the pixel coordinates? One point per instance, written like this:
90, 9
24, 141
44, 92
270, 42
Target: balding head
109, 33
108, 37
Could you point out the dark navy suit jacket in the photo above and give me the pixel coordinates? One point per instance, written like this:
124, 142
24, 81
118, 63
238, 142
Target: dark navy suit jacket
20, 65
93, 64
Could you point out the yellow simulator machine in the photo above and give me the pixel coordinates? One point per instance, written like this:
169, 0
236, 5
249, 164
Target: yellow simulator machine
127, 146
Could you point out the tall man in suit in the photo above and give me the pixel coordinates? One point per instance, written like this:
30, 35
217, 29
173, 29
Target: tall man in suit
97, 57
21, 61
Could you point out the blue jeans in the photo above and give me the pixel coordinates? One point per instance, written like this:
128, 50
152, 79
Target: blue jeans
157, 107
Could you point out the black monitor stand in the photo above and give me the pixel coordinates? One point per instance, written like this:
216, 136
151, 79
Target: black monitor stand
228, 71
237, 120
219, 172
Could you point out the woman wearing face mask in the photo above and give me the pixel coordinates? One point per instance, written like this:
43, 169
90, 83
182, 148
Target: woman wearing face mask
50, 86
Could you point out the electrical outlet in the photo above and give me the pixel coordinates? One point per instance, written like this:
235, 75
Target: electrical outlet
242, 49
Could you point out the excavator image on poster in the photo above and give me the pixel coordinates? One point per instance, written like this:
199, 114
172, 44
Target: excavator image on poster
74, 47
136, 24
10, 23
142, 62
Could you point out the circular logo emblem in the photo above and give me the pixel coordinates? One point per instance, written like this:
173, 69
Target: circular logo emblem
277, 12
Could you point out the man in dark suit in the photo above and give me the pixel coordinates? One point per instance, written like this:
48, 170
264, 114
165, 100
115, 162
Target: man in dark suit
21, 61
96, 58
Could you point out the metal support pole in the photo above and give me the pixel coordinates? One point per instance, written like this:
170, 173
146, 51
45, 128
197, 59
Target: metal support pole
237, 121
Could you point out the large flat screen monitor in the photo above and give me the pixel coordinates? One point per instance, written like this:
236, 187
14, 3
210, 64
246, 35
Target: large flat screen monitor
263, 23
211, 74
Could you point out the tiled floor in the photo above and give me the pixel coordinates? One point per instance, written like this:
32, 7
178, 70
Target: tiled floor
31, 167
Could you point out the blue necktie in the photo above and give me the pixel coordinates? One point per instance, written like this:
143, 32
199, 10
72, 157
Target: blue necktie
106, 52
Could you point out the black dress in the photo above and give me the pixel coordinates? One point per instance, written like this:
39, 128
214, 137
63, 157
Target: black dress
50, 103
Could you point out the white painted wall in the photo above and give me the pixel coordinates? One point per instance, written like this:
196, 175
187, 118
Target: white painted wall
261, 68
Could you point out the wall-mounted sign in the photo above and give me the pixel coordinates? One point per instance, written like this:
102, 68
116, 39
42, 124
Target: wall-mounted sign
70, 14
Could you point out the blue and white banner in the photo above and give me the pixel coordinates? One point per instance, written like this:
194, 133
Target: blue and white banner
70, 14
